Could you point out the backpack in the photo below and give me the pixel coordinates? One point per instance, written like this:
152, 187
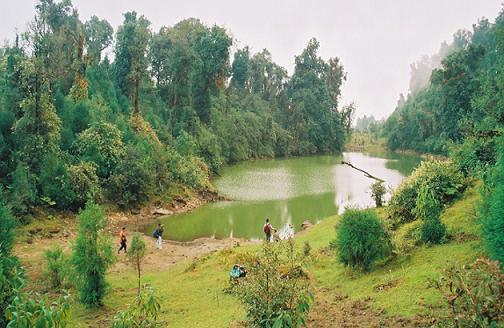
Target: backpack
155, 234
267, 228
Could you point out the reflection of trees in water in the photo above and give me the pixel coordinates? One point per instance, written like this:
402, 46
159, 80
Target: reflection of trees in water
318, 187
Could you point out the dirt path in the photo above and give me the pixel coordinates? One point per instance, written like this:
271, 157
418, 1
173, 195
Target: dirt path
332, 310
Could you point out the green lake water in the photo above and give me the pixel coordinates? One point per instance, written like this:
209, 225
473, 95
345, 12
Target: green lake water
288, 191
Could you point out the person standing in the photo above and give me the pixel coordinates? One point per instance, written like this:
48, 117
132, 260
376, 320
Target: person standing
122, 240
267, 228
158, 234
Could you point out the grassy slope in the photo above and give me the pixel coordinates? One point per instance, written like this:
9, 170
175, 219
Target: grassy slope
195, 297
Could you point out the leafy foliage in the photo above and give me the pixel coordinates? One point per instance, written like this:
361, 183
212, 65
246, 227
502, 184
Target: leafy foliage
10, 271
491, 213
439, 177
378, 190
29, 310
474, 294
275, 291
142, 313
92, 255
361, 239
57, 269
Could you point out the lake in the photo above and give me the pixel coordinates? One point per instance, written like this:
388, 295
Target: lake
287, 191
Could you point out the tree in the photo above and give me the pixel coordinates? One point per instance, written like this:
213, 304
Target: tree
136, 254
131, 61
240, 69
37, 132
491, 214
92, 255
23, 196
102, 145
9, 266
377, 192
98, 37
212, 47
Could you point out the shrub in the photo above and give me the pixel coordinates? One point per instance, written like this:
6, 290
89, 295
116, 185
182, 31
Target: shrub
92, 255
24, 194
361, 239
306, 249
55, 184
102, 145
143, 312
85, 183
491, 213
57, 267
428, 209
440, 176
37, 311
136, 254
275, 291
408, 236
377, 192
10, 271
133, 180
474, 154
190, 171
474, 295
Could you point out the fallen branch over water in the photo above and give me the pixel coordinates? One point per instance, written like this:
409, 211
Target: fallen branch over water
365, 173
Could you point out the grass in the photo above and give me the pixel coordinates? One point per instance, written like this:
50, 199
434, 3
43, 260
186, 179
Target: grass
192, 292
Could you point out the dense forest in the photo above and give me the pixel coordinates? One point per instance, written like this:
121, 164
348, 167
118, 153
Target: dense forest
125, 116
458, 112
455, 96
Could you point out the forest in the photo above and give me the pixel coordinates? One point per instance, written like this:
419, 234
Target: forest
124, 117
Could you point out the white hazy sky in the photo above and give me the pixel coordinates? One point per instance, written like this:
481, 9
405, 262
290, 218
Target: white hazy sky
376, 40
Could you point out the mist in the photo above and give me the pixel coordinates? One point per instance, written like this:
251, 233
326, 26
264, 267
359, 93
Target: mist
377, 42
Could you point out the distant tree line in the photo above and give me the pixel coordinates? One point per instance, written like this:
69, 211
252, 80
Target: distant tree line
462, 98
169, 110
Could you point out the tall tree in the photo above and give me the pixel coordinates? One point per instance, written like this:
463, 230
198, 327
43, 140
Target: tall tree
131, 61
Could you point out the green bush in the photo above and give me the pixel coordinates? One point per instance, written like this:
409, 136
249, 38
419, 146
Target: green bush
55, 184
428, 209
190, 171
441, 176
133, 179
378, 190
92, 255
29, 310
84, 183
10, 271
474, 154
408, 236
24, 195
361, 239
57, 270
143, 313
102, 145
491, 213
474, 295
275, 292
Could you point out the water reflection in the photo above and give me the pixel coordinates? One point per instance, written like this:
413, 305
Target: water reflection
286, 191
